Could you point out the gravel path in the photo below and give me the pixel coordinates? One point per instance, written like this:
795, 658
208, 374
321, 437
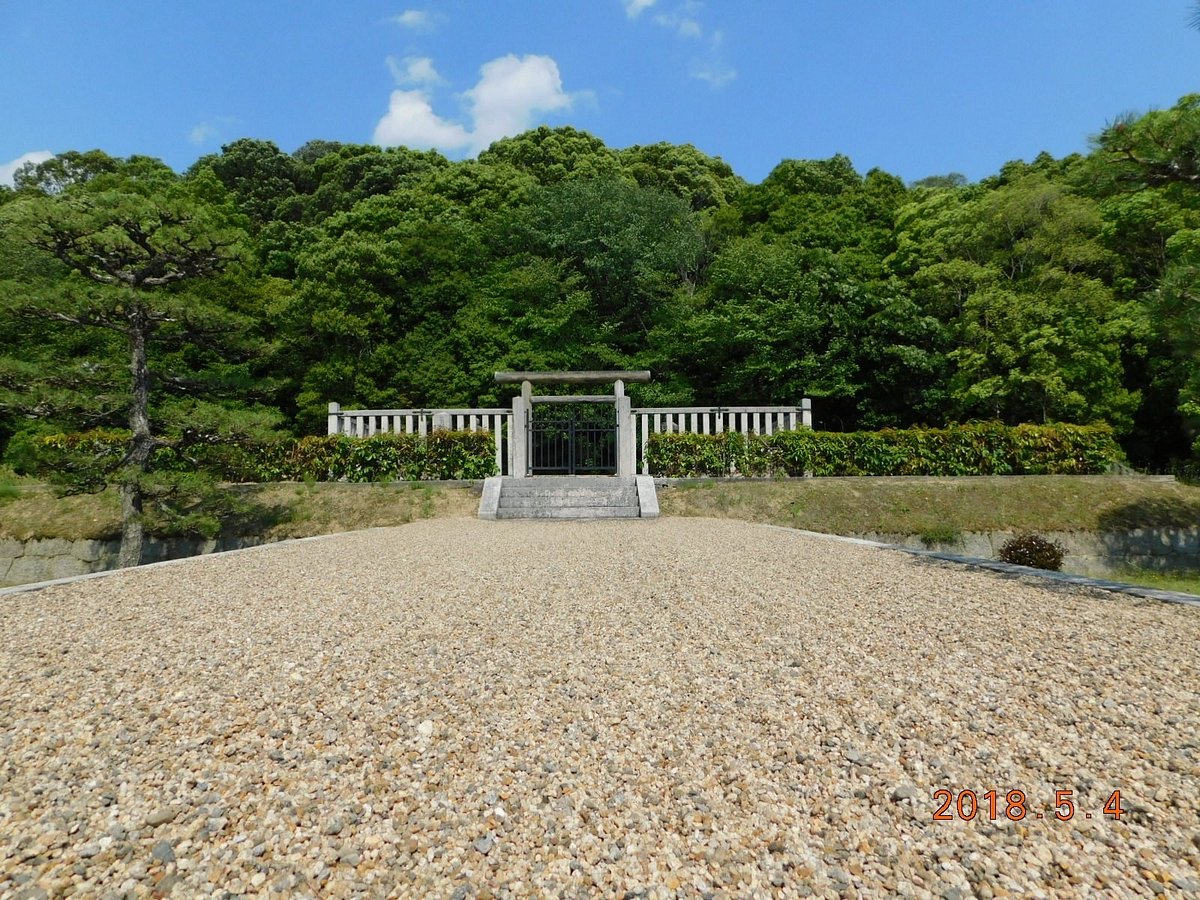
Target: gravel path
679, 707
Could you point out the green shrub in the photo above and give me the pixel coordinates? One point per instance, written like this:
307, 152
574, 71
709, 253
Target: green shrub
383, 457
21, 455
8, 489
940, 534
977, 449
323, 458
1034, 551
1186, 471
694, 455
460, 455
754, 456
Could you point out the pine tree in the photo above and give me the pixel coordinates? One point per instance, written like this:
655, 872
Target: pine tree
128, 316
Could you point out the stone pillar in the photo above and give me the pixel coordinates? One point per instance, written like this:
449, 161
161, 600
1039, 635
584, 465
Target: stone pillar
806, 413
518, 432
441, 421
334, 418
626, 445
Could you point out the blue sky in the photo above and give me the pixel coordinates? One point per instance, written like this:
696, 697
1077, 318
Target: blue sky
916, 87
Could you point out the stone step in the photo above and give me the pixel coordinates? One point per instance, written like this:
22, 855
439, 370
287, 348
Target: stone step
622, 498
568, 497
535, 489
539, 491
569, 512
567, 483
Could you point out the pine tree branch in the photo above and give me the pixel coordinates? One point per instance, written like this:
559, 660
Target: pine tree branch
119, 325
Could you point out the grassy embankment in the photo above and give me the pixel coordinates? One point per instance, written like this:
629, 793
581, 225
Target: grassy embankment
1183, 582
937, 509
276, 511
941, 509
940, 506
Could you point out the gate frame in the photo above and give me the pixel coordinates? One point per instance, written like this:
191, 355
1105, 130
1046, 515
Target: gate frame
518, 445
570, 401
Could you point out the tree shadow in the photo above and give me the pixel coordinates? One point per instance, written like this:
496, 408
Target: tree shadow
253, 514
1152, 512
1159, 534
243, 517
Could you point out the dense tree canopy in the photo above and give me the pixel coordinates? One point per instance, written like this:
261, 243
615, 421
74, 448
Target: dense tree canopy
1055, 290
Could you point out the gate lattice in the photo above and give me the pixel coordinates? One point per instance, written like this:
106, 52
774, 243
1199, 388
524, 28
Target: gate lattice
573, 439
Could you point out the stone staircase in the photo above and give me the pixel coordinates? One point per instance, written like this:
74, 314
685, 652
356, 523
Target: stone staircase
569, 497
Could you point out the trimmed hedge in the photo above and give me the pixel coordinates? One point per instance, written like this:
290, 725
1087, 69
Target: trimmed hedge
976, 449
441, 455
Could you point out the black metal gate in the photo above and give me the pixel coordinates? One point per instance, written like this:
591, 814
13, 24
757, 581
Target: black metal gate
573, 439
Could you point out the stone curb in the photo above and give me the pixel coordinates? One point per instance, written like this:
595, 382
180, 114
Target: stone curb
647, 497
40, 585
489, 498
1118, 587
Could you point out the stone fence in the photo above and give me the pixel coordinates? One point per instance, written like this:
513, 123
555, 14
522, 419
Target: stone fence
640, 423
368, 422
747, 420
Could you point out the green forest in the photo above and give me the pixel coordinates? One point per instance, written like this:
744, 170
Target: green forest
260, 285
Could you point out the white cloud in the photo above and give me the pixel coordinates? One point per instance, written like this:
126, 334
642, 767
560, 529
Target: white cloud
682, 24
206, 131
201, 133
634, 8
715, 72
712, 67
411, 122
510, 93
509, 96
414, 70
9, 169
684, 19
416, 19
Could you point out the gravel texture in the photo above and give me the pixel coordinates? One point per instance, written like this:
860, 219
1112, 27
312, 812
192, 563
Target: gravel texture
660, 708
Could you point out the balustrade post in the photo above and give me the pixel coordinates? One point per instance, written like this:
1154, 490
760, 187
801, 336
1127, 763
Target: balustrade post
335, 417
498, 436
626, 442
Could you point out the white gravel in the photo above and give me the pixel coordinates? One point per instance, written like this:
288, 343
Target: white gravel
681, 707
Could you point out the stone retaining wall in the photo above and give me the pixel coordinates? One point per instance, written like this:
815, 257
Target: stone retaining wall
23, 562
1096, 555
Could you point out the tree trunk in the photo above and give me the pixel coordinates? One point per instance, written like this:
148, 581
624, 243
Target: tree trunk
132, 530
141, 441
